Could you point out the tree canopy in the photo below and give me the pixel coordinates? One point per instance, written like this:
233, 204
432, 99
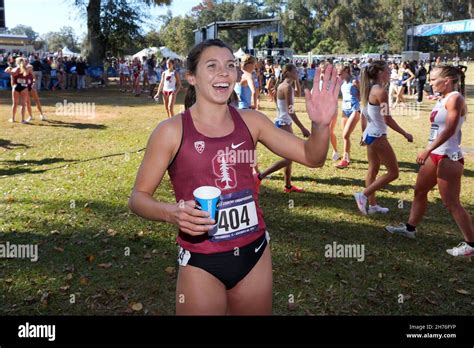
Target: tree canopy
327, 26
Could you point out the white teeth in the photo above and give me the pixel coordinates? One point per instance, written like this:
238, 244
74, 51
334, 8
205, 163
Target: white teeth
224, 85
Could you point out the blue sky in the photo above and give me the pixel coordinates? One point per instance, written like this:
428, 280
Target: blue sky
50, 15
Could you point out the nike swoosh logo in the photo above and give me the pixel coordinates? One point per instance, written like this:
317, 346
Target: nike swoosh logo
236, 146
257, 249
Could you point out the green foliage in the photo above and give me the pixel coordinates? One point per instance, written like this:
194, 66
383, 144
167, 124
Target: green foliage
21, 29
177, 34
65, 37
120, 22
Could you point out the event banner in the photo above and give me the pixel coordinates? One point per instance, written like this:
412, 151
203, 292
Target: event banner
456, 27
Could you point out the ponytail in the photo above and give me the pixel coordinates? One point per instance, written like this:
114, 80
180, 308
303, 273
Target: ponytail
462, 82
284, 72
190, 97
277, 84
456, 74
364, 86
369, 76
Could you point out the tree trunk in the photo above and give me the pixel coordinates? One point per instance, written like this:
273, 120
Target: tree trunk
95, 42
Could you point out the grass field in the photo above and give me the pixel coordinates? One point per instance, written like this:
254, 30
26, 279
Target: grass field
64, 185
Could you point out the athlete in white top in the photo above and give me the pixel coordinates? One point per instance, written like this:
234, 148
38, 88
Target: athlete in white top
442, 161
451, 148
374, 100
285, 117
170, 84
350, 111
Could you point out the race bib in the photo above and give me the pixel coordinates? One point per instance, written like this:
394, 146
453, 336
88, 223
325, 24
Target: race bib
433, 132
237, 215
455, 156
346, 105
183, 256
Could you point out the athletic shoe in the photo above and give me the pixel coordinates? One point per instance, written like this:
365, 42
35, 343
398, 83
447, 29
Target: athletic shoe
293, 188
258, 182
361, 201
463, 249
29, 119
373, 209
401, 230
11, 120
43, 117
25, 122
335, 156
342, 164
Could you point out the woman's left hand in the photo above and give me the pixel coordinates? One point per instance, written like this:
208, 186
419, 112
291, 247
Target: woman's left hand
422, 156
321, 105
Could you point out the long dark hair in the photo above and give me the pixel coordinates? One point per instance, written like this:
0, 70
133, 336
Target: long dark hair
368, 77
192, 62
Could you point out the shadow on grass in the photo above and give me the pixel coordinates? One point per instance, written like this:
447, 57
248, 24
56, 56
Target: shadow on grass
338, 181
37, 162
403, 166
75, 125
85, 256
18, 167
7, 144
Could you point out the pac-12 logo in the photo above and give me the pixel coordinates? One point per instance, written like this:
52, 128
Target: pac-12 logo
199, 146
223, 168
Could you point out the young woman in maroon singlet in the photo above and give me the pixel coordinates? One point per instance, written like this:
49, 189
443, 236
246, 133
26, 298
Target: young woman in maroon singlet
225, 265
22, 79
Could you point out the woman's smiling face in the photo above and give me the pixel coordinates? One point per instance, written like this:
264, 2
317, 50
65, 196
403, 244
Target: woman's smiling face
215, 75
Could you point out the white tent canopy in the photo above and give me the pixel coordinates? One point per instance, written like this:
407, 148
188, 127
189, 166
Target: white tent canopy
162, 52
166, 52
68, 53
239, 54
147, 52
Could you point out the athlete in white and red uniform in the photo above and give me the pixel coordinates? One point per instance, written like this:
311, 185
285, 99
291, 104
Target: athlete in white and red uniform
442, 161
224, 265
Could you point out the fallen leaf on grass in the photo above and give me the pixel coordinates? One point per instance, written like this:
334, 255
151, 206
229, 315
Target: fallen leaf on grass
58, 249
404, 284
111, 232
137, 306
65, 288
29, 300
463, 292
45, 298
69, 276
170, 270
84, 281
105, 265
90, 258
431, 301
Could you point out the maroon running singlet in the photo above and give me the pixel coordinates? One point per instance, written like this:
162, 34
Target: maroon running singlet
224, 162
